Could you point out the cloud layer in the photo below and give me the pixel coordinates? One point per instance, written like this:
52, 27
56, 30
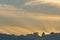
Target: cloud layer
37, 2
42, 17
44, 8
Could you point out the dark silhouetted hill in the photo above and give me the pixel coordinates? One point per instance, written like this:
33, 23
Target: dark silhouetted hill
34, 36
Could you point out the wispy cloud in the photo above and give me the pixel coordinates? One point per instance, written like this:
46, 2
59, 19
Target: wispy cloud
44, 8
15, 19
37, 2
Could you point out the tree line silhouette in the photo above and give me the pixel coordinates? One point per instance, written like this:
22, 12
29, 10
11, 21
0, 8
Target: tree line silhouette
34, 36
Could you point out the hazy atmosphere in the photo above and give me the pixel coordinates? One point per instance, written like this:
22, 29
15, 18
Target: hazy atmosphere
28, 16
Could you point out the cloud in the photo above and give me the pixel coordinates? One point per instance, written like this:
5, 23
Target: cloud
45, 8
16, 3
50, 7
37, 2
13, 20
14, 30
46, 17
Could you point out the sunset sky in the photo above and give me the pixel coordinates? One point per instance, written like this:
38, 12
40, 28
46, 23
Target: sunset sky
29, 16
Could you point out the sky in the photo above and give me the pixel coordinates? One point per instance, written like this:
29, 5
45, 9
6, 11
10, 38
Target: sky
29, 16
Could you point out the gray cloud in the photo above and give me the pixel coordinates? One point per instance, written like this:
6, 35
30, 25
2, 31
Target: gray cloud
46, 8
6, 20
13, 2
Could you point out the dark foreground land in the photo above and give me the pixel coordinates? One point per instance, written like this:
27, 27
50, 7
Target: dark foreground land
34, 36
